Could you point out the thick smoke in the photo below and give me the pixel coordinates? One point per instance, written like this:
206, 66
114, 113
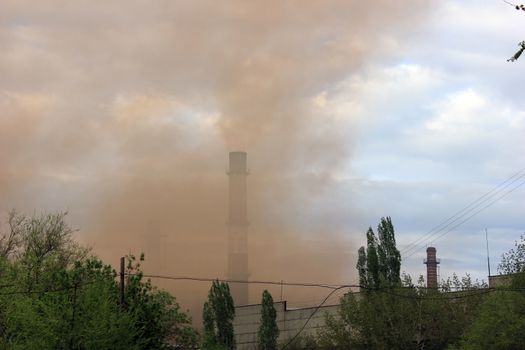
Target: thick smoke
124, 113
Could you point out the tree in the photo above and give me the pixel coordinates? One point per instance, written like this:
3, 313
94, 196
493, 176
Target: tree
444, 315
393, 313
501, 321
158, 320
218, 315
380, 264
513, 261
377, 318
55, 295
268, 330
80, 315
389, 257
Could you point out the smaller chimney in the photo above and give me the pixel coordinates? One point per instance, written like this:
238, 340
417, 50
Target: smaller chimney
432, 264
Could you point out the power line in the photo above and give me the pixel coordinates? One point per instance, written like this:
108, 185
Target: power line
205, 279
510, 3
311, 315
388, 289
441, 235
488, 205
514, 178
49, 290
456, 295
467, 210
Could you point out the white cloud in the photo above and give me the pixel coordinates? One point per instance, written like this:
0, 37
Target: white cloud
433, 139
457, 112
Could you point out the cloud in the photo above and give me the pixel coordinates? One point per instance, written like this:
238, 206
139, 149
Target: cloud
432, 140
124, 112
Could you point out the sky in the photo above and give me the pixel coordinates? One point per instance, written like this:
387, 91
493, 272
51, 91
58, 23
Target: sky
123, 113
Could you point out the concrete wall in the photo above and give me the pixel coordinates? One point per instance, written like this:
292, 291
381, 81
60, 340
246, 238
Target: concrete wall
289, 321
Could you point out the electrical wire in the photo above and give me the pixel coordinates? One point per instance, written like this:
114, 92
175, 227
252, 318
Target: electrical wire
477, 212
388, 290
310, 317
468, 209
204, 279
510, 3
440, 235
493, 192
76, 286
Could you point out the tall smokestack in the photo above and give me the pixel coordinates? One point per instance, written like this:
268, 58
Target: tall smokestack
432, 264
238, 227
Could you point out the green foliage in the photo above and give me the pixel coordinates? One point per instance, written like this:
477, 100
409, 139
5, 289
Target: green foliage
54, 295
389, 258
304, 342
79, 312
500, 323
375, 320
513, 261
218, 315
393, 313
268, 330
379, 264
372, 262
501, 320
405, 317
157, 317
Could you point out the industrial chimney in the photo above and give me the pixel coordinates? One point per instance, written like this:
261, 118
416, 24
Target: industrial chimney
238, 227
432, 263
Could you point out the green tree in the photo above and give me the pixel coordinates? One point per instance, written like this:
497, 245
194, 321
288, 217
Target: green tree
377, 318
501, 320
379, 264
55, 295
51, 300
443, 315
371, 260
268, 330
513, 261
218, 315
500, 323
389, 257
393, 313
158, 320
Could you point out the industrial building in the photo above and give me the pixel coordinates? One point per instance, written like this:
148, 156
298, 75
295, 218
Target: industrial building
289, 321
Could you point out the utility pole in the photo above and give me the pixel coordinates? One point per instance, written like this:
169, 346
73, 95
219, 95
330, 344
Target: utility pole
488, 256
121, 289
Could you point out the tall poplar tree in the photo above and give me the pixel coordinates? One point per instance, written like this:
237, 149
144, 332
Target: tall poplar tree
379, 265
268, 330
218, 315
377, 319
